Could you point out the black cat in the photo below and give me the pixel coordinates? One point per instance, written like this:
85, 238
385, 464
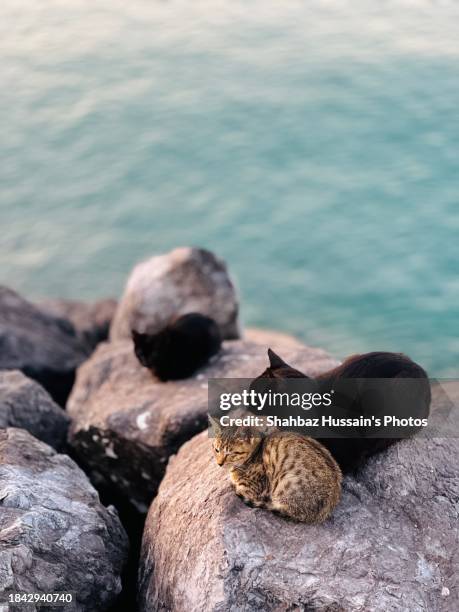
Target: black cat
351, 452
181, 348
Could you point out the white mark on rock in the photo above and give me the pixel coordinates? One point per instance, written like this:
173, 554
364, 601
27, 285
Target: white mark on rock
145, 475
141, 420
424, 570
204, 385
445, 592
110, 452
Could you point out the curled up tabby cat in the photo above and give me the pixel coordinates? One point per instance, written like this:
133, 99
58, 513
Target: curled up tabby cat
284, 472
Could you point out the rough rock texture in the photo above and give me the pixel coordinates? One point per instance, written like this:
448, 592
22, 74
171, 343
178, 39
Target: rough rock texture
44, 347
274, 339
91, 320
391, 545
182, 281
55, 535
126, 423
24, 403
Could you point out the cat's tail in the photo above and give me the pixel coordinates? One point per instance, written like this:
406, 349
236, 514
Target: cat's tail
263, 502
297, 510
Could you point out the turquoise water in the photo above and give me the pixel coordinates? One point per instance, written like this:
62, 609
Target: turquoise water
313, 145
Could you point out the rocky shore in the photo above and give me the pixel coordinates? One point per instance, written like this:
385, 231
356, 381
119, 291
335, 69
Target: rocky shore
92, 447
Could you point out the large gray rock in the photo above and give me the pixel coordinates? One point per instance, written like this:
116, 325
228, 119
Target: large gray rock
391, 545
277, 341
44, 347
181, 281
90, 319
55, 535
24, 403
126, 424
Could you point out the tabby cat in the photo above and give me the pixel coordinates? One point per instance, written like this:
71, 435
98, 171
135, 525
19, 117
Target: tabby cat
284, 472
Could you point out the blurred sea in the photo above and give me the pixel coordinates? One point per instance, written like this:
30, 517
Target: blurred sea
313, 145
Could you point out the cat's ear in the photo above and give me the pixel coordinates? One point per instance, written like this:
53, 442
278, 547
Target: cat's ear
215, 425
137, 337
275, 361
140, 341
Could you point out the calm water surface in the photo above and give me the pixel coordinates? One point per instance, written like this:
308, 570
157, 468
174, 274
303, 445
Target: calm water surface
313, 145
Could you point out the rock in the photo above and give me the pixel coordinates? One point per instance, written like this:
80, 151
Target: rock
24, 403
55, 534
91, 320
390, 545
126, 424
278, 341
181, 281
44, 347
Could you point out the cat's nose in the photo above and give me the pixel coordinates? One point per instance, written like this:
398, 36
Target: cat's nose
221, 460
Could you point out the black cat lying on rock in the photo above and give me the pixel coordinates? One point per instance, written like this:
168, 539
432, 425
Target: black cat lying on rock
181, 348
410, 395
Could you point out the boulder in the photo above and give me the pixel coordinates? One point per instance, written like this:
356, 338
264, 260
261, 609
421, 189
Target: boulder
126, 424
181, 281
55, 534
90, 319
25, 404
44, 347
276, 340
391, 544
